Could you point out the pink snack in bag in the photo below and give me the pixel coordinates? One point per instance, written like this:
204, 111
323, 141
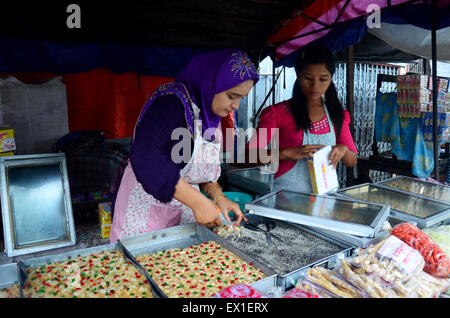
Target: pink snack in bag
298, 293
239, 291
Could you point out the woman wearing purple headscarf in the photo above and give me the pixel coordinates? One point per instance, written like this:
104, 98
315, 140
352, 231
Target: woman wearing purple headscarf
158, 190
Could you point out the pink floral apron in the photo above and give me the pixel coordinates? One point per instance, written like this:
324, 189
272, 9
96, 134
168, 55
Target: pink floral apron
136, 211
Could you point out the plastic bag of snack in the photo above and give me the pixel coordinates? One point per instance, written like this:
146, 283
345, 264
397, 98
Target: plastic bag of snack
298, 293
272, 292
391, 259
436, 261
332, 282
369, 284
312, 288
423, 285
239, 291
441, 236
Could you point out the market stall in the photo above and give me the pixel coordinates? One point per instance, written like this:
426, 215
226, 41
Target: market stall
294, 245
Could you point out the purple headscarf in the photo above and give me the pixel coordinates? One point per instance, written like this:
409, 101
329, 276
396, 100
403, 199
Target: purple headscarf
208, 74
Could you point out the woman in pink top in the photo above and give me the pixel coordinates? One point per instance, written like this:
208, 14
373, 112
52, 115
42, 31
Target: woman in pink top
312, 119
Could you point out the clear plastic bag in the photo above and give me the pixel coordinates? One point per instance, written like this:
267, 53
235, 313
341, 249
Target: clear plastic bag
299, 293
436, 261
391, 259
441, 236
331, 282
370, 284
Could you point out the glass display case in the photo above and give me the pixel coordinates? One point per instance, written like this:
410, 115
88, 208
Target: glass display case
36, 204
418, 187
320, 211
404, 206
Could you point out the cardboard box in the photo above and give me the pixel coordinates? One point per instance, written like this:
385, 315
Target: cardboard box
9, 153
104, 213
323, 176
7, 141
105, 230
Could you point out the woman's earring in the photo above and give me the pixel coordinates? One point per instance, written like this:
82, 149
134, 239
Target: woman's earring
323, 97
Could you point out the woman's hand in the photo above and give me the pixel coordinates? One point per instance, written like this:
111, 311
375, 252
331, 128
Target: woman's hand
206, 213
226, 206
337, 153
299, 152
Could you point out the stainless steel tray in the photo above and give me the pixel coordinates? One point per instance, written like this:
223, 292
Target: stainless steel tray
285, 281
266, 285
438, 211
52, 258
322, 211
251, 179
10, 275
361, 242
289, 280
439, 192
35, 203
181, 237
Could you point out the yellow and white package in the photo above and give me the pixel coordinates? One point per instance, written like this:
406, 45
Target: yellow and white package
105, 230
323, 176
104, 213
7, 141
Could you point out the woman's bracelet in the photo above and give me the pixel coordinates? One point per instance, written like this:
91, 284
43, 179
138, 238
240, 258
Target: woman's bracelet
218, 197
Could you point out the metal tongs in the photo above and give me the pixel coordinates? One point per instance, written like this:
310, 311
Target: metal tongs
270, 226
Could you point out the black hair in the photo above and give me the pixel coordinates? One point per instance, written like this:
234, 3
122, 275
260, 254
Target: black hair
316, 54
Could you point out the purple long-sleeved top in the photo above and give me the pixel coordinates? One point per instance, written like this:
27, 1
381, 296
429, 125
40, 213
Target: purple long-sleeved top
150, 153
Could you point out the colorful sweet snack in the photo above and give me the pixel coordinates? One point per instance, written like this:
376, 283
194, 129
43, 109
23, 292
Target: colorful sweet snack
198, 271
10, 292
101, 275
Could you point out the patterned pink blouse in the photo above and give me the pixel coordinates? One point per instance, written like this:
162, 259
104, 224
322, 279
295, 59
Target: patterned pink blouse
279, 116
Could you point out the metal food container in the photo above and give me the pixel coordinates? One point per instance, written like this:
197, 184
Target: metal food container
288, 281
408, 207
181, 237
358, 241
10, 276
321, 211
287, 260
52, 258
266, 285
36, 204
253, 180
420, 188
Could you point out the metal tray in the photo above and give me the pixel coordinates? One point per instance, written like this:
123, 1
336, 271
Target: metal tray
437, 211
322, 211
251, 179
285, 281
181, 236
441, 193
289, 280
10, 275
266, 285
35, 203
52, 258
361, 242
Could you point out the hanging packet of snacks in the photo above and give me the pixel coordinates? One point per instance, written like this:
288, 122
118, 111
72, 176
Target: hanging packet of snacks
436, 261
